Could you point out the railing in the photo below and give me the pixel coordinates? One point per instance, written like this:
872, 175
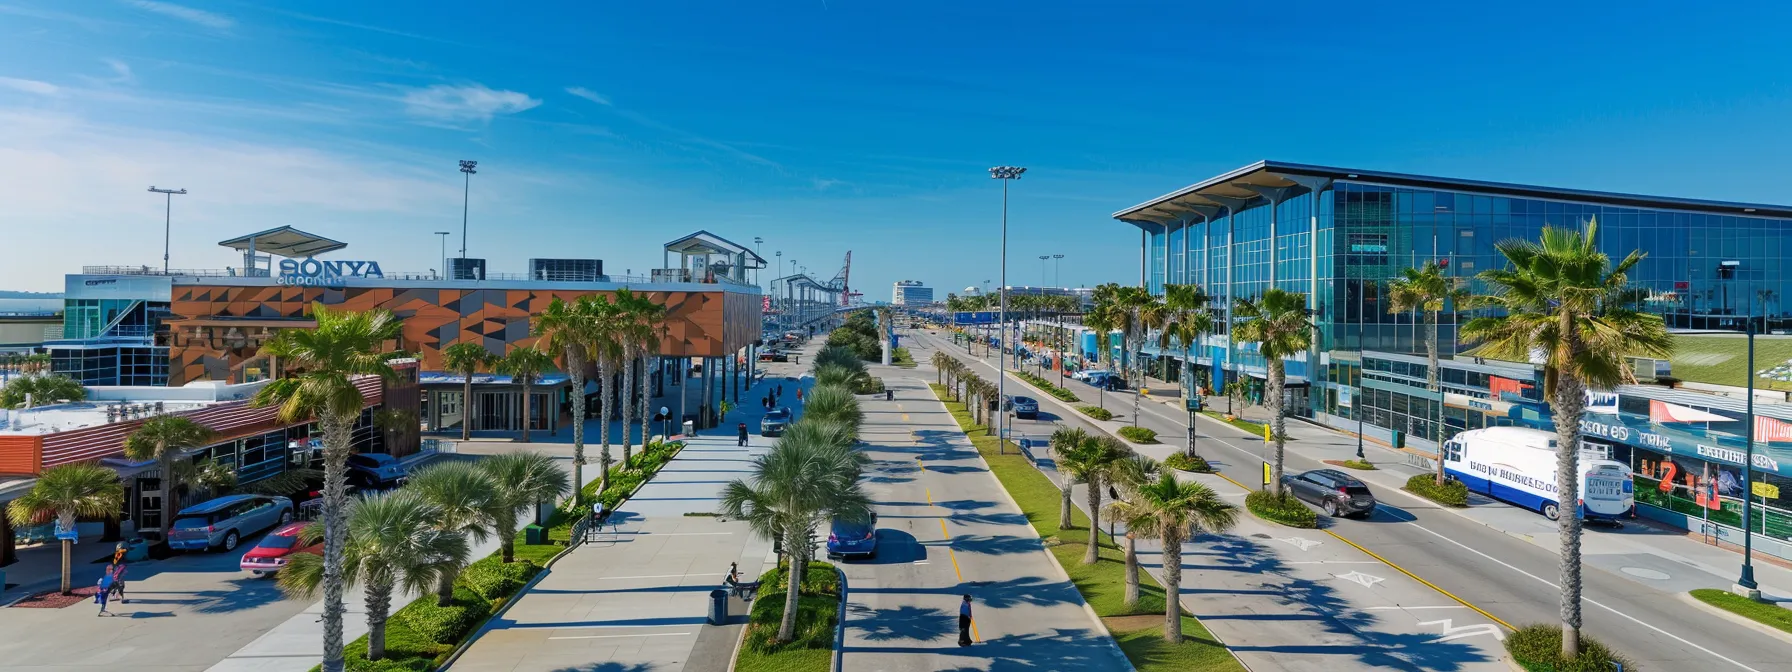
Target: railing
659, 275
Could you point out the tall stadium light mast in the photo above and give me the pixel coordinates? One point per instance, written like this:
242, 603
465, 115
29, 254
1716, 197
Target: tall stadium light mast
444, 241
1005, 174
167, 219
466, 167
1057, 260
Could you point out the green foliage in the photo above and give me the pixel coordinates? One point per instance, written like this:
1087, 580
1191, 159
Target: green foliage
1186, 462
869, 385
1360, 465
446, 625
1096, 412
1138, 434
492, 579
901, 357
43, 388
1287, 510
1043, 384
1452, 493
818, 600
1538, 648
1766, 613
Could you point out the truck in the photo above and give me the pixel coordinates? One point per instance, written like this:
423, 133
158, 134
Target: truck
1517, 465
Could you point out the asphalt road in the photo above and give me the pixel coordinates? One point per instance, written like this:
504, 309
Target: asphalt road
1511, 578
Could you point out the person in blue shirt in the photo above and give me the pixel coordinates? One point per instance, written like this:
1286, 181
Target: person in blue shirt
964, 622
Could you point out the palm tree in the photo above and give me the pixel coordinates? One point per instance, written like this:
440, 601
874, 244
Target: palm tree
163, 438
1065, 439
567, 328
525, 366
1135, 312
393, 544
396, 424
1424, 291
519, 480
466, 359
938, 361
605, 346
42, 388
466, 502
1186, 320
1103, 319
328, 357
1172, 512
832, 403
1128, 475
794, 487
1279, 325
839, 376
1089, 463
1556, 295
65, 493
640, 331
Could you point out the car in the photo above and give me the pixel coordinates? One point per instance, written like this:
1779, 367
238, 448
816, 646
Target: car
1025, 408
276, 549
848, 538
1106, 380
1335, 492
774, 422
376, 470
1085, 373
774, 356
223, 522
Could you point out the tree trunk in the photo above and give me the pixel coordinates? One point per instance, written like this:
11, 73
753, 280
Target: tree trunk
379, 605
1065, 521
337, 448
528, 406
1437, 426
1188, 376
445, 588
1569, 406
466, 406
170, 504
507, 545
645, 417
68, 551
1173, 586
576, 370
628, 408
1090, 556
603, 425
1277, 424
1132, 570
792, 579
1138, 351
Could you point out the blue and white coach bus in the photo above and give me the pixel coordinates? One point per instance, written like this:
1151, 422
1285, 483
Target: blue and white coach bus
1518, 466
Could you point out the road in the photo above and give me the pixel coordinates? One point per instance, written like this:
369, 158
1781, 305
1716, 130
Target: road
1509, 576
946, 528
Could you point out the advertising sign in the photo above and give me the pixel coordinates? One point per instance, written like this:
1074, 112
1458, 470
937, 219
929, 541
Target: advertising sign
978, 317
1345, 396
310, 272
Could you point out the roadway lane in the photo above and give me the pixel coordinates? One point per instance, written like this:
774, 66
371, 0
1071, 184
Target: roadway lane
1511, 578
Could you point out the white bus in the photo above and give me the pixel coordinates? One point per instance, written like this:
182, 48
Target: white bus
1518, 466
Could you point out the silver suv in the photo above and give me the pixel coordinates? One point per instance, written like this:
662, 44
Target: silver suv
221, 523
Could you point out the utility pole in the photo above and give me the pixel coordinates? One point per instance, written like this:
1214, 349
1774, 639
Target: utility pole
1005, 174
167, 220
466, 167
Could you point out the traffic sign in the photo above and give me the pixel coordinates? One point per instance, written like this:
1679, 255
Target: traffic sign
1266, 472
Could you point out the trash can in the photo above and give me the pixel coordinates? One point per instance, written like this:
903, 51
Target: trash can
718, 607
690, 428
535, 535
136, 550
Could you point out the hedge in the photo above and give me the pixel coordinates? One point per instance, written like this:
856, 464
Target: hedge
1138, 435
447, 625
491, 579
818, 601
1287, 510
1043, 384
1538, 648
1452, 493
1186, 462
1096, 412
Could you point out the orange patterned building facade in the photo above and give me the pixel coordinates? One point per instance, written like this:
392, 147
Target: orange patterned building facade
217, 325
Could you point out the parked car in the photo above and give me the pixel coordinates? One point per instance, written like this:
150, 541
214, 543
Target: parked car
1336, 492
774, 422
1025, 408
1106, 380
1085, 373
376, 470
221, 523
774, 356
275, 549
848, 538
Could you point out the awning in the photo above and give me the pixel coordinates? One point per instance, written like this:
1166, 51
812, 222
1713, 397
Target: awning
1663, 412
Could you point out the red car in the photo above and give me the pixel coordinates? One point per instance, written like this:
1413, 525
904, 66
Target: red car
271, 554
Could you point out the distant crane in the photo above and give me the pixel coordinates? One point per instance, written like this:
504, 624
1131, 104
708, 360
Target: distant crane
844, 280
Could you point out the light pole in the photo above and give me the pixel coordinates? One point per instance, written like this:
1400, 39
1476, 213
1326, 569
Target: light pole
1747, 580
167, 219
444, 239
1356, 404
757, 241
1005, 174
466, 168
1042, 259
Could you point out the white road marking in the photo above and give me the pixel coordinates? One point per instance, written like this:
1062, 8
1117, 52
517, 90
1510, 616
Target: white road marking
644, 634
1448, 606
1366, 580
650, 576
1451, 633
1300, 543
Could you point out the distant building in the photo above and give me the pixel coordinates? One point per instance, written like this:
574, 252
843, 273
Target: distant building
911, 293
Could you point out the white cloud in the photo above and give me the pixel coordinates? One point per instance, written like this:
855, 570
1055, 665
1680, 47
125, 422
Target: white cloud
29, 86
121, 71
824, 184
590, 95
473, 102
188, 14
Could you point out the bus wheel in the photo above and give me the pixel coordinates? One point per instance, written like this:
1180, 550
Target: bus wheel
1550, 511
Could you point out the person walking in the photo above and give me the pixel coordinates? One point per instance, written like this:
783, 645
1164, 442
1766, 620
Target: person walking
964, 622
105, 592
799, 395
117, 571
743, 435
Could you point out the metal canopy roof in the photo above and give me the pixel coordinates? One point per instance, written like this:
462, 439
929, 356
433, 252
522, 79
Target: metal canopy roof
285, 241
1242, 186
704, 242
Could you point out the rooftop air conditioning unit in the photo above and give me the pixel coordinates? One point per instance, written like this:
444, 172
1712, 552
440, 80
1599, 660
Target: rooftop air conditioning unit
1648, 369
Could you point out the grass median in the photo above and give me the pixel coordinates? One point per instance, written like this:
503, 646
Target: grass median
1137, 629
817, 620
1765, 613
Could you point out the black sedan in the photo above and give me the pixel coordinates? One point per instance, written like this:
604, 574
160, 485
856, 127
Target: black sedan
1337, 493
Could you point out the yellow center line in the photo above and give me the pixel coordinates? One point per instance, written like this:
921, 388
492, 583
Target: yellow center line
946, 535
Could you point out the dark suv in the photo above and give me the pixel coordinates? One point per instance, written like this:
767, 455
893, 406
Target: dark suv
1338, 493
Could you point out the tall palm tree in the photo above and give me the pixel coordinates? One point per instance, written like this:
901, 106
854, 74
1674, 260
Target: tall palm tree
1424, 291
794, 487
466, 359
1556, 298
393, 544
327, 358
1279, 325
523, 479
1089, 464
1063, 440
607, 322
466, 502
938, 361
1135, 312
567, 329
1173, 512
42, 388
640, 334
163, 438
525, 366
1187, 320
65, 493
1128, 475
833, 403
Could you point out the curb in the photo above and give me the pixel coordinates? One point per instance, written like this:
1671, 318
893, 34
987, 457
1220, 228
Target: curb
839, 626
1736, 618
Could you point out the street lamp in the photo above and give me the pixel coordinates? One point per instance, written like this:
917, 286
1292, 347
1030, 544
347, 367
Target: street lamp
466, 168
665, 423
1747, 580
1005, 174
167, 219
757, 241
1042, 259
1057, 264
444, 235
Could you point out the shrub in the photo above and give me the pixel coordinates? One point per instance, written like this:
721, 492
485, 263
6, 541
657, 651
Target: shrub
1043, 384
869, 385
1096, 412
445, 625
1285, 510
1353, 464
1186, 462
491, 579
1538, 647
1452, 493
1138, 435
817, 610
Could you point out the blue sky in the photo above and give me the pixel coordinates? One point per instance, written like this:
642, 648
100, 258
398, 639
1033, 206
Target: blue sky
604, 129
